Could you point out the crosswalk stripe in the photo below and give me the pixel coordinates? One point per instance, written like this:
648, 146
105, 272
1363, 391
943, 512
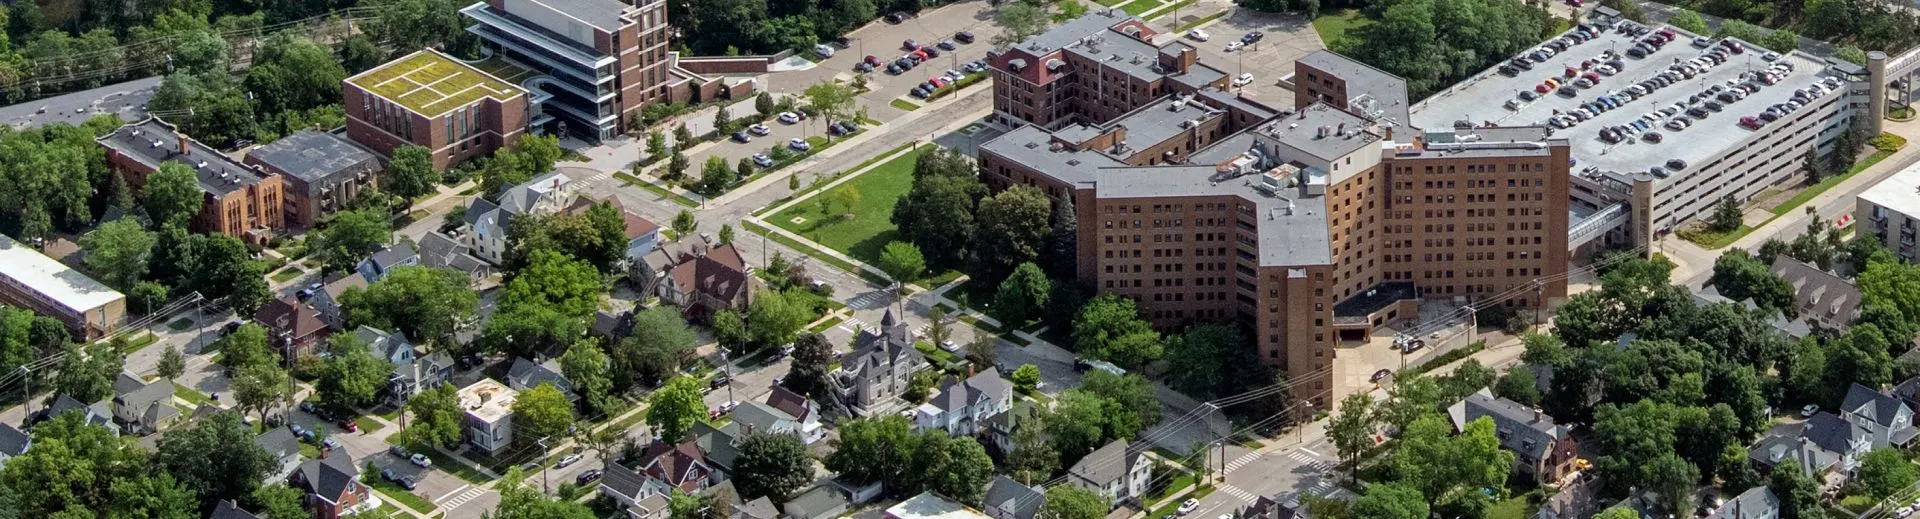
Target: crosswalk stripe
463, 498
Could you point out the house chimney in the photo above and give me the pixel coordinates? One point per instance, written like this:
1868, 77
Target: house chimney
1536, 416
749, 428
184, 149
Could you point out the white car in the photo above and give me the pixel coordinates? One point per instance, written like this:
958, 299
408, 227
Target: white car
420, 460
569, 460
1243, 80
1809, 410
1198, 35
799, 144
789, 118
1234, 45
759, 129
1188, 506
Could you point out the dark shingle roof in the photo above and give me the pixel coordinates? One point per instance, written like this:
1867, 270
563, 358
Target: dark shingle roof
227, 510
12, 441
1521, 429
1011, 497
1755, 503
314, 156
1831, 432
1866, 403
279, 442
1819, 293
1105, 464
331, 477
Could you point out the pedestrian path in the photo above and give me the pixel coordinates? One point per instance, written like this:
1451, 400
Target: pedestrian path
1318, 465
1234, 491
1242, 461
454, 499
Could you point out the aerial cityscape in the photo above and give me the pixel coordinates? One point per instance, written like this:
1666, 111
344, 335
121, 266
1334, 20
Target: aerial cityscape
959, 259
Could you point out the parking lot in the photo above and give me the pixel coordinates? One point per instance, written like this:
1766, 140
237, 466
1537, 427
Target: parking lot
1287, 38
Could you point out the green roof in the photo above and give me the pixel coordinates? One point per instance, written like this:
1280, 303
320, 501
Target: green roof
431, 84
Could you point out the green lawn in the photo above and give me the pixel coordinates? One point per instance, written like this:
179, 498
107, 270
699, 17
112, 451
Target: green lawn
1169, 509
1108, 3
1714, 240
903, 105
871, 227
286, 275
309, 451
191, 395
1180, 482
1182, 4
1136, 7
460, 470
368, 425
1333, 27
830, 323
141, 342
939, 356
395, 493
664, 192
1512, 508
1198, 22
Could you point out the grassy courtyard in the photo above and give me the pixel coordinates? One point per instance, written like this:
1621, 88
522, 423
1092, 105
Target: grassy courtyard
1333, 27
864, 235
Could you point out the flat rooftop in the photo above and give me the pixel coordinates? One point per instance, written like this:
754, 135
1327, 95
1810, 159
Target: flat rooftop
1900, 192
153, 142
314, 155
488, 400
1480, 99
39, 273
431, 84
929, 506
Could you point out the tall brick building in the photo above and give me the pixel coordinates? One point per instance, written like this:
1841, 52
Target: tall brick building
1308, 226
601, 59
241, 201
429, 99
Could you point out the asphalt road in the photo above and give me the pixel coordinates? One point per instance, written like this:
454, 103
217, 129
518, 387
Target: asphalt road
128, 99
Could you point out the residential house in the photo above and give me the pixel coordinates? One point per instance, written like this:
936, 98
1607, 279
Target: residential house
720, 445
488, 423
1781, 325
228, 510
412, 373
333, 487
665, 467
823, 501
99, 413
1265, 507
488, 222
1116, 471
1774, 449
1844, 440
630, 489
930, 506
438, 250
701, 279
143, 408
962, 408
383, 261
294, 328
1888, 418
285, 449
784, 412
327, 300
761, 508
612, 325
1002, 427
1008, 499
1543, 450
1824, 300
525, 375
643, 236
882, 365
13, 443
1755, 503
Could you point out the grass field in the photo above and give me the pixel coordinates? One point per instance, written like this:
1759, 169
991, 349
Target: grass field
180, 324
642, 184
1136, 7
1512, 508
368, 425
141, 342
863, 236
1333, 27
398, 494
1183, 4
191, 395
286, 275
1199, 21
903, 105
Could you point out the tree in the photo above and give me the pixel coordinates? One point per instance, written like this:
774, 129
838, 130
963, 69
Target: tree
290, 72
1390, 501
716, 176
793, 182
1025, 378
118, 250
722, 121
773, 318
938, 212
436, 417
1884, 472
812, 358
1018, 21
215, 455
965, 476
656, 144
846, 198
1077, 424
423, 303
1673, 479
172, 363
673, 408
519, 501
1033, 457
1726, 215
146, 297
1689, 21
682, 137
1061, 256
410, 174
1519, 386
730, 329
277, 501
89, 372
872, 449
831, 99
1448, 468
658, 344
763, 104
359, 53
70, 468
1781, 40
172, 195
1352, 428
771, 465
1852, 54
352, 376
586, 368
542, 412
1799, 496
1021, 295
684, 224
903, 262
1012, 228
246, 346
1109, 328
677, 164
414, 24
1072, 502
258, 386
546, 305
1740, 276
349, 236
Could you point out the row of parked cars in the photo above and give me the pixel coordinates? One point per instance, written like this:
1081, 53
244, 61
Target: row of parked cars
935, 83
1675, 73
1801, 98
916, 54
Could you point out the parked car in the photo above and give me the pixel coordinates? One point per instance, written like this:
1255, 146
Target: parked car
1234, 45
1199, 35
823, 50
1243, 80
896, 17
789, 117
919, 92
330, 444
910, 44
388, 475
399, 451
948, 44
963, 37
348, 425
759, 129
742, 137
420, 460
762, 160
1809, 410
863, 67
872, 60
1188, 506
931, 52
1252, 37
408, 482
587, 477
799, 144
1380, 375
569, 460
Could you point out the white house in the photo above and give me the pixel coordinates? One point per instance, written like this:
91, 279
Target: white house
487, 222
963, 407
1115, 471
784, 412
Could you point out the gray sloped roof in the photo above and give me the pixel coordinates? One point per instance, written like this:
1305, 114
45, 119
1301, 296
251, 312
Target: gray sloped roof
330, 477
1011, 497
620, 480
817, 502
1755, 503
1831, 432
96, 414
1521, 429
383, 344
759, 416
525, 374
1105, 464
227, 510
959, 394
395, 254
761, 508
1864, 402
484, 214
716, 444
12, 441
279, 442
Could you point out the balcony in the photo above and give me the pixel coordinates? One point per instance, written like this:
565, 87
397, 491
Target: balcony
506, 29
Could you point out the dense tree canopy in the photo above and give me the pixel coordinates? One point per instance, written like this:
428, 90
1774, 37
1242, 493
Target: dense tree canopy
426, 304
1110, 328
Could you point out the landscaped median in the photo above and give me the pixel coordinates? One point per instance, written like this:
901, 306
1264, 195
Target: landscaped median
1199, 22
656, 189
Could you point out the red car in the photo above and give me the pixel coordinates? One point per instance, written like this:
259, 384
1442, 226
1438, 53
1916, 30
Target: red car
873, 60
349, 425
910, 45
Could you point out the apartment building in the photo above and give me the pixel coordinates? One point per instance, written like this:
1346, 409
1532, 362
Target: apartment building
31, 280
1092, 69
241, 201
1311, 226
488, 422
599, 59
323, 172
431, 100
1890, 211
